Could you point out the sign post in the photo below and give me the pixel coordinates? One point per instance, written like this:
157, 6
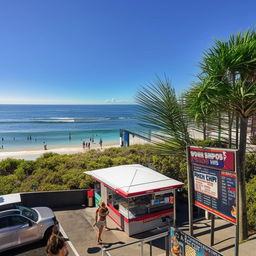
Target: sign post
212, 229
215, 187
190, 193
237, 214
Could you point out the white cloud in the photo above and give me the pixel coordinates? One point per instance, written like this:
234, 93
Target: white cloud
118, 101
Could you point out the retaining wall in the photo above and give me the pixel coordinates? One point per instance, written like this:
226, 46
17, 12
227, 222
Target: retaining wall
55, 199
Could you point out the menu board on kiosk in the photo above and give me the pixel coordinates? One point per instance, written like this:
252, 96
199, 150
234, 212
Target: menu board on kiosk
215, 180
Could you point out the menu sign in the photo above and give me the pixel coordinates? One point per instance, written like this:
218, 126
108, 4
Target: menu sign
182, 244
214, 177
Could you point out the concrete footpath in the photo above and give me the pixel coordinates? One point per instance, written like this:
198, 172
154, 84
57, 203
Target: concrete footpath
78, 226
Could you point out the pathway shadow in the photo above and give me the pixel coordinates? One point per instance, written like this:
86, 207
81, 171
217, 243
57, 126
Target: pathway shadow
226, 248
224, 240
93, 250
215, 229
108, 245
115, 229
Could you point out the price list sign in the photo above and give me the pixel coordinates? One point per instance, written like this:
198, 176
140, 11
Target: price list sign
215, 181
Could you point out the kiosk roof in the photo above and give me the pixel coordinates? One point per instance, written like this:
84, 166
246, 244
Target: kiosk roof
135, 179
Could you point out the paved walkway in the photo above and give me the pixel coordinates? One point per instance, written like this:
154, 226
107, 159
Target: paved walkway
77, 224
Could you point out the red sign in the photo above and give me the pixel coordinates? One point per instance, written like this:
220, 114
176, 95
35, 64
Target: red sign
214, 178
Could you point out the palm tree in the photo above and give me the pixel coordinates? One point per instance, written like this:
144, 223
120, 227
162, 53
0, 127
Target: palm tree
230, 68
160, 111
202, 110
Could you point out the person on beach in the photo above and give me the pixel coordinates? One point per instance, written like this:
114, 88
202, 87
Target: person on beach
101, 143
56, 245
83, 144
100, 220
89, 145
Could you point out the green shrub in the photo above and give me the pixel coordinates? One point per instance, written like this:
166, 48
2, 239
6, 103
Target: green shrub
8, 183
211, 143
8, 166
251, 203
250, 166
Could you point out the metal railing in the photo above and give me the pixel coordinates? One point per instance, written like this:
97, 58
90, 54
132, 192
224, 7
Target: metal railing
141, 242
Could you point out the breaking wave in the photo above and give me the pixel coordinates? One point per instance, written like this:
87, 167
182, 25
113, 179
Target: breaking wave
63, 120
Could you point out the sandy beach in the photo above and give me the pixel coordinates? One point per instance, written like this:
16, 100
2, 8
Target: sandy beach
35, 152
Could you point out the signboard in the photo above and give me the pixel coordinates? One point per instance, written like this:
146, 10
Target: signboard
214, 178
182, 244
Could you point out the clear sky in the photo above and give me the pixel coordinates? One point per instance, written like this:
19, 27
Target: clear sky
100, 51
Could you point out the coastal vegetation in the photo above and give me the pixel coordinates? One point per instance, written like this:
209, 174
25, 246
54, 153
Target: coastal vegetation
62, 172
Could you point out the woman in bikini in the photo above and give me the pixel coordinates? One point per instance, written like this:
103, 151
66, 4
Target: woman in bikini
100, 219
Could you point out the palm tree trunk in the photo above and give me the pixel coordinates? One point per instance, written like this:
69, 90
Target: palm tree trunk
204, 131
237, 130
243, 232
219, 126
229, 129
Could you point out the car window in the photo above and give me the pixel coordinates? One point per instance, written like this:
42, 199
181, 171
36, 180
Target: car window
29, 213
4, 222
17, 220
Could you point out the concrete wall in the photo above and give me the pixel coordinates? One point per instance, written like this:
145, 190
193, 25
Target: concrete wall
134, 140
55, 199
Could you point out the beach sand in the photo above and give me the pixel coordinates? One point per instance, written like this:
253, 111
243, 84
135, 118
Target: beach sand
33, 153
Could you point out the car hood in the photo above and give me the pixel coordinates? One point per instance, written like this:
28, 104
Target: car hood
44, 213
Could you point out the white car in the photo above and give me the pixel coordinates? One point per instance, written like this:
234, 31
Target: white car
23, 225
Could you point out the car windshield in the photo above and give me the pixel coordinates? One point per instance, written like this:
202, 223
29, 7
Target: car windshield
28, 212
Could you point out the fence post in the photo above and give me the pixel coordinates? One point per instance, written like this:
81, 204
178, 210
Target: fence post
167, 251
141, 248
103, 252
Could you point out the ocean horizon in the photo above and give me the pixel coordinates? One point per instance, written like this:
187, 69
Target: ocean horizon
35, 125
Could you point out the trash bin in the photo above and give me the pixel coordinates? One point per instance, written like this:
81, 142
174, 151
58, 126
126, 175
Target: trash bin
90, 195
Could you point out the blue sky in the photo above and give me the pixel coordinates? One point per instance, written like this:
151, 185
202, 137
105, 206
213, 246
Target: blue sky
103, 51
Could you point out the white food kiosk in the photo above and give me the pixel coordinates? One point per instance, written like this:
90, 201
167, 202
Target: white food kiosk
138, 198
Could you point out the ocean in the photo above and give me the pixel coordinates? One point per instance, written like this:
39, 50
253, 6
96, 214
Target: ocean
28, 126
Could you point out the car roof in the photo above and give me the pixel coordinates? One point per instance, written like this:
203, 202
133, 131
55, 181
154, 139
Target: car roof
9, 212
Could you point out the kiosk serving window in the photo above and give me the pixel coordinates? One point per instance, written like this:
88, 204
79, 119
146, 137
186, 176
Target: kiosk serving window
118, 202
147, 204
134, 207
161, 201
139, 206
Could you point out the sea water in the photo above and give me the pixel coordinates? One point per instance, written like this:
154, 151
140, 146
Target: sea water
27, 126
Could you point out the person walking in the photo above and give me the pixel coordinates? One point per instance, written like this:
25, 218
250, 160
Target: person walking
100, 220
101, 143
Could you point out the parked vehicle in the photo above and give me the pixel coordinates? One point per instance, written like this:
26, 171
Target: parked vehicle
22, 225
